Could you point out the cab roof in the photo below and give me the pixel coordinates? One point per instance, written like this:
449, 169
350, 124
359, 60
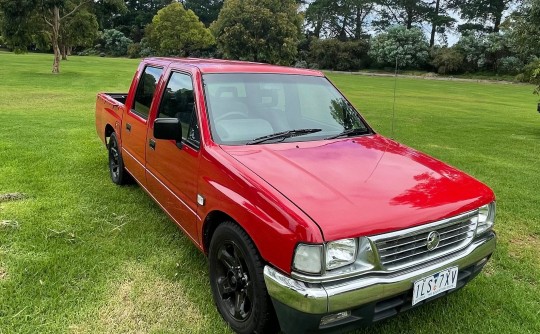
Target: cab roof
232, 66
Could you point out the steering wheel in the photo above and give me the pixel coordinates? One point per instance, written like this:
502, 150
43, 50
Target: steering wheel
231, 114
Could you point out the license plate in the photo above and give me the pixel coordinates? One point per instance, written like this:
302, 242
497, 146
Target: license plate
435, 284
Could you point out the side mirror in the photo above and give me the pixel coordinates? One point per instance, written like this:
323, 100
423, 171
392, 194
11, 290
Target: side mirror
168, 128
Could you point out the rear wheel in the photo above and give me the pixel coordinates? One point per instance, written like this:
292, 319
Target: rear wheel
119, 175
237, 282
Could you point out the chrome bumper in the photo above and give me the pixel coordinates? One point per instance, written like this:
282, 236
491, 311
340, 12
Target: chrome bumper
330, 297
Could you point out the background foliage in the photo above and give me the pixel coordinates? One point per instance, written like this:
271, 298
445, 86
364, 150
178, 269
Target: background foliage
459, 37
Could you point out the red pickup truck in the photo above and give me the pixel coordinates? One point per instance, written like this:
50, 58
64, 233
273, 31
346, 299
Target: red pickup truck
306, 214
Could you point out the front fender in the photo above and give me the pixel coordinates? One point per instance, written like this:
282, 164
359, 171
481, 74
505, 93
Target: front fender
274, 224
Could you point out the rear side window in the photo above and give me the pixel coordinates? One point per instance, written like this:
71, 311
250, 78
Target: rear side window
145, 91
179, 102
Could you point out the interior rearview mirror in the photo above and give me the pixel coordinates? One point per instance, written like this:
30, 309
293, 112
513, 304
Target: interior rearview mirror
167, 128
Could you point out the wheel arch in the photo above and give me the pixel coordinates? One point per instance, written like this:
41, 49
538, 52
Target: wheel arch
211, 222
108, 131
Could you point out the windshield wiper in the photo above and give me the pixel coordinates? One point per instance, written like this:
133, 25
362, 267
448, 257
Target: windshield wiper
350, 132
282, 135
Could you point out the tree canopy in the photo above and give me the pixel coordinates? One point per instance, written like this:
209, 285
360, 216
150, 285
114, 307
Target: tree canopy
207, 10
29, 22
264, 30
177, 31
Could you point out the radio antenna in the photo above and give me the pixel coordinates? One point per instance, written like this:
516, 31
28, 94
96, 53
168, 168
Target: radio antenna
394, 105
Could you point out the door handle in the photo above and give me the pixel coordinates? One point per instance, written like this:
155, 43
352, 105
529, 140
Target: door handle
128, 127
152, 144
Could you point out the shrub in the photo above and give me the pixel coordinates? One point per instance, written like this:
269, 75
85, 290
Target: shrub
473, 46
146, 49
134, 50
301, 64
408, 46
509, 65
447, 60
527, 73
337, 55
115, 43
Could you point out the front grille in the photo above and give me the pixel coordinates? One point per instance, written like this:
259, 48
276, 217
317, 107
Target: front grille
409, 247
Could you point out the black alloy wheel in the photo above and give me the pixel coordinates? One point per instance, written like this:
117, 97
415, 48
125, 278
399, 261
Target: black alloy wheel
116, 165
237, 282
233, 282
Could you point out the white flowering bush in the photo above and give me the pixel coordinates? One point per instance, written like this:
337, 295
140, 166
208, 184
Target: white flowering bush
408, 46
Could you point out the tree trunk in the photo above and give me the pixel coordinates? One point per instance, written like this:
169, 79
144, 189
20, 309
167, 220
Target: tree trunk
435, 21
318, 28
63, 49
342, 30
69, 50
410, 15
497, 24
358, 30
55, 37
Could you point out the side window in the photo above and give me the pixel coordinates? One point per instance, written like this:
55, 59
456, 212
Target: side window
145, 91
178, 101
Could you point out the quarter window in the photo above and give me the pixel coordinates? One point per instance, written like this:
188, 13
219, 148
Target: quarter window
179, 102
145, 91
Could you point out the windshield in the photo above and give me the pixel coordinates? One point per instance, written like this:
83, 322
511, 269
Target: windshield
243, 108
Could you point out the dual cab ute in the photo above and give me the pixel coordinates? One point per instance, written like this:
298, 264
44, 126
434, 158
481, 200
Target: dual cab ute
306, 214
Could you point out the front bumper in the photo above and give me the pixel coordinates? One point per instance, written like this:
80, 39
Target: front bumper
371, 297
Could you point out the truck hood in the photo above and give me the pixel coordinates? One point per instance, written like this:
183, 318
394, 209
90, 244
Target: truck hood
363, 186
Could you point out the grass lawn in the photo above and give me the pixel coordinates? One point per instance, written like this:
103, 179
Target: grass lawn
80, 255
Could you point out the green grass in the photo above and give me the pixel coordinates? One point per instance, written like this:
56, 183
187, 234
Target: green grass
80, 255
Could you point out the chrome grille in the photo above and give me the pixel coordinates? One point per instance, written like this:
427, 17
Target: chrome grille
409, 247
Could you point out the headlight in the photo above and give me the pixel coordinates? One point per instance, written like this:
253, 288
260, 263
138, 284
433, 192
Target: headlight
354, 253
340, 253
486, 218
308, 258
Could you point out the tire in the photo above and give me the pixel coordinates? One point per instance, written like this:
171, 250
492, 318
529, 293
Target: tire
118, 173
237, 282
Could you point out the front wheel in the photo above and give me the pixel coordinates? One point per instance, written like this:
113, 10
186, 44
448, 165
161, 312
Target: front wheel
237, 282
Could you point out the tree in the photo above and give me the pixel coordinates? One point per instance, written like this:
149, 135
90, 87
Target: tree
265, 30
408, 13
17, 23
438, 16
133, 20
341, 19
107, 10
523, 26
408, 47
23, 18
206, 10
177, 31
55, 12
480, 13
81, 29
